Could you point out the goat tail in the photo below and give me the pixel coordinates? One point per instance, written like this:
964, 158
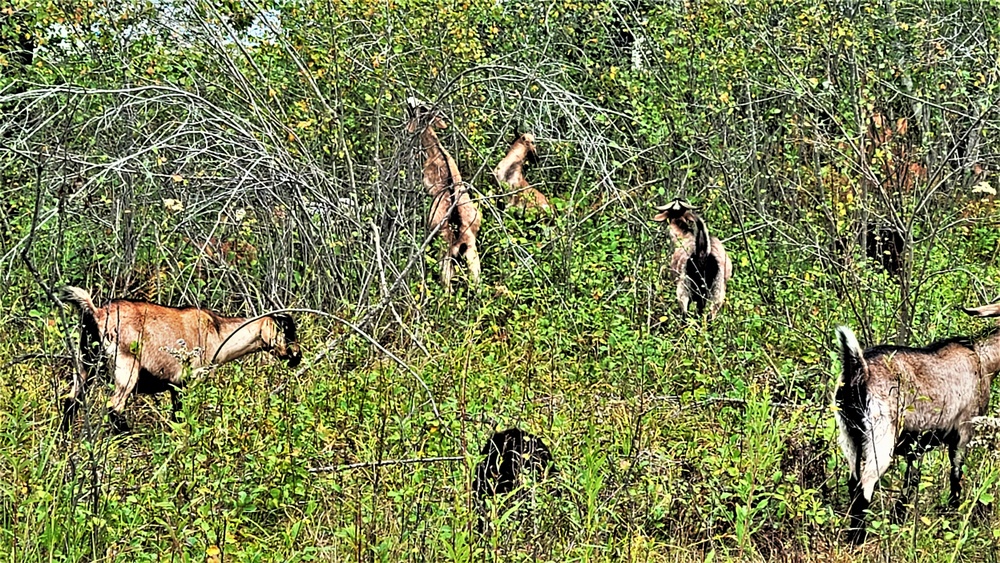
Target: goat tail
702, 243
852, 357
851, 401
80, 298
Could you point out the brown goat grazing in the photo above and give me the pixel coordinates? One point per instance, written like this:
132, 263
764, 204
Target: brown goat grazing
510, 172
700, 264
147, 347
895, 400
452, 210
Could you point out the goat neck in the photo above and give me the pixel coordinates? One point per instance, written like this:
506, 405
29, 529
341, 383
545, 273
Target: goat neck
988, 354
238, 340
510, 169
440, 171
988, 346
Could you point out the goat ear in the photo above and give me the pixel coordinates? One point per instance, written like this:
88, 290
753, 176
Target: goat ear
984, 311
515, 132
287, 325
660, 217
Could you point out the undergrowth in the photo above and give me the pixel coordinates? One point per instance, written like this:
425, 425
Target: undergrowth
675, 440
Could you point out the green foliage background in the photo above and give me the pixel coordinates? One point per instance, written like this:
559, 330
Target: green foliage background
250, 156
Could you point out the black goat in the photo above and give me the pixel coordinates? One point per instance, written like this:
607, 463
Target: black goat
509, 454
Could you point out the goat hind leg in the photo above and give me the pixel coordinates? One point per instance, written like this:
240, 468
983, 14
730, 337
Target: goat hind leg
175, 402
126, 377
877, 455
447, 271
856, 532
71, 404
717, 298
683, 296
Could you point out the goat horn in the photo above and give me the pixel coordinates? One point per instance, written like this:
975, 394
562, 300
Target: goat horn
983, 311
675, 205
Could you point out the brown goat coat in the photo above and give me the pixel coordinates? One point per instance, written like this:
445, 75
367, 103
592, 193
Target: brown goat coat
142, 343
443, 181
510, 172
909, 396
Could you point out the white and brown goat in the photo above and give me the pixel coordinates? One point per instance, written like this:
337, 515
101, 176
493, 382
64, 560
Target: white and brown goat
452, 210
147, 347
700, 265
510, 172
896, 400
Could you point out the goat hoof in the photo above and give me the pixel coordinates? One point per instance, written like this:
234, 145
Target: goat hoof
857, 536
899, 512
118, 424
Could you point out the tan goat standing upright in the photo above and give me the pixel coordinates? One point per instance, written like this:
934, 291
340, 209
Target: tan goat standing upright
452, 210
510, 172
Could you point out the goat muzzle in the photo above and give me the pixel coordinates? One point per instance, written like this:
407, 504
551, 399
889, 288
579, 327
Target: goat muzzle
293, 355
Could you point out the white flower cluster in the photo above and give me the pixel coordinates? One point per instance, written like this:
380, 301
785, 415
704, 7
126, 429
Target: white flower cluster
987, 435
181, 353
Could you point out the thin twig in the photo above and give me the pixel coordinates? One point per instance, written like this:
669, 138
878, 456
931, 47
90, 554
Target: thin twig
383, 463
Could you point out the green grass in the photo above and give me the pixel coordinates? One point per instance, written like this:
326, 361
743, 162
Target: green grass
675, 441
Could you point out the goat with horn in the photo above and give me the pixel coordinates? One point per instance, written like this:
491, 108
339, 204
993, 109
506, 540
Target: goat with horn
146, 347
452, 210
896, 400
700, 265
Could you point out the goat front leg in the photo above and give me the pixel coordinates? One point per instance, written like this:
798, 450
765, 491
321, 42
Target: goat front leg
956, 452
908, 446
126, 377
175, 401
72, 402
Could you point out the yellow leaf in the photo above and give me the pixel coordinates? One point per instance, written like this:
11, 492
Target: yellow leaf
984, 187
174, 205
177, 178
